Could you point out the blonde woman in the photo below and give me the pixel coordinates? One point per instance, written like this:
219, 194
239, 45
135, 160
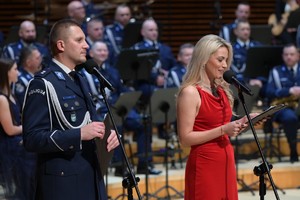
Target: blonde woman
204, 111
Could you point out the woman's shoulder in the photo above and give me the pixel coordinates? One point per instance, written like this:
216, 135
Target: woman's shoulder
3, 99
189, 91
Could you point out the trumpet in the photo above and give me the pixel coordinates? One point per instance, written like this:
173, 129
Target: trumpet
290, 101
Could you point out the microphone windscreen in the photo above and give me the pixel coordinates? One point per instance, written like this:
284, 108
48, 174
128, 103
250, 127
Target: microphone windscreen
89, 65
227, 76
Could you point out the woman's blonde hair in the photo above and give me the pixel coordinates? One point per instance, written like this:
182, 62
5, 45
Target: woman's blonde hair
204, 48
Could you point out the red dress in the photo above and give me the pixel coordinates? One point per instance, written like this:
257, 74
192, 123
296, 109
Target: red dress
210, 170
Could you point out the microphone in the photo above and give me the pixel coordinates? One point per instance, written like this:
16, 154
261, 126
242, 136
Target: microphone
90, 67
229, 77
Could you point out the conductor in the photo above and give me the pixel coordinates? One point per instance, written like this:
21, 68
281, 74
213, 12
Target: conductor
60, 122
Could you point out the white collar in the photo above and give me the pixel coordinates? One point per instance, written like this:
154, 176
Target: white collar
62, 66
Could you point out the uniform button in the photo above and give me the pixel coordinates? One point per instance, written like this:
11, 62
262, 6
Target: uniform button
62, 173
71, 147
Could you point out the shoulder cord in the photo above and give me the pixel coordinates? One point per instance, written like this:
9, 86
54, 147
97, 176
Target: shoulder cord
58, 111
276, 79
112, 40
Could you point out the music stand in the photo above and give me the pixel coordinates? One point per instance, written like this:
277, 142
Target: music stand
136, 64
164, 111
124, 104
120, 109
132, 34
262, 33
261, 59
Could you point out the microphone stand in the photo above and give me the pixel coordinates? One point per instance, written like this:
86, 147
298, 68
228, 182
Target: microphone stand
265, 167
130, 181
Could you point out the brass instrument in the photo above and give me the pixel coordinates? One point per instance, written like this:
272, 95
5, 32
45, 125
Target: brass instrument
290, 101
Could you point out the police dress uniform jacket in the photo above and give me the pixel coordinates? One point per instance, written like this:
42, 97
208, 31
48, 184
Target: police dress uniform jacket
175, 76
227, 33
165, 55
281, 79
13, 50
67, 167
240, 57
113, 76
19, 88
113, 36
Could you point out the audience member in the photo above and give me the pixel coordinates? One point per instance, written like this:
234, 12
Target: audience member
17, 165
30, 63
133, 121
283, 86
27, 35
177, 72
62, 128
242, 12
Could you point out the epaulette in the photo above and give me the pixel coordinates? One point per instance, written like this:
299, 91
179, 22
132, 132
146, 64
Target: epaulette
43, 73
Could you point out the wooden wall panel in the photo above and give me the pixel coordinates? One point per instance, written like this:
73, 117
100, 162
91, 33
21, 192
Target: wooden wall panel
183, 20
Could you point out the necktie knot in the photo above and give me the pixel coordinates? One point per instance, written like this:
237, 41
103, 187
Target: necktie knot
72, 75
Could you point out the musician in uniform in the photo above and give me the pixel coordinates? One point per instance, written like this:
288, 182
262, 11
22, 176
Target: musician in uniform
242, 12
27, 35
60, 122
133, 121
177, 72
30, 63
114, 33
284, 87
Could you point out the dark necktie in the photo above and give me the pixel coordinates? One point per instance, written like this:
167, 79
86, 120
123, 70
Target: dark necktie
72, 75
292, 74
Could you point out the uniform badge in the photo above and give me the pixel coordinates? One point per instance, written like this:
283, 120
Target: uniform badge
20, 88
60, 75
73, 117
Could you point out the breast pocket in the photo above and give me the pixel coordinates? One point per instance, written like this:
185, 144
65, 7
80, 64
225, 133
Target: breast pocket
73, 110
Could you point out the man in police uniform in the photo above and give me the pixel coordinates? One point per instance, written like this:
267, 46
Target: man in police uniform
133, 121
284, 81
114, 33
177, 72
161, 66
242, 12
30, 63
60, 123
27, 35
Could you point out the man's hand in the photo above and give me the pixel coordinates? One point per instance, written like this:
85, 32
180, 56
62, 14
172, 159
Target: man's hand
112, 141
93, 130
